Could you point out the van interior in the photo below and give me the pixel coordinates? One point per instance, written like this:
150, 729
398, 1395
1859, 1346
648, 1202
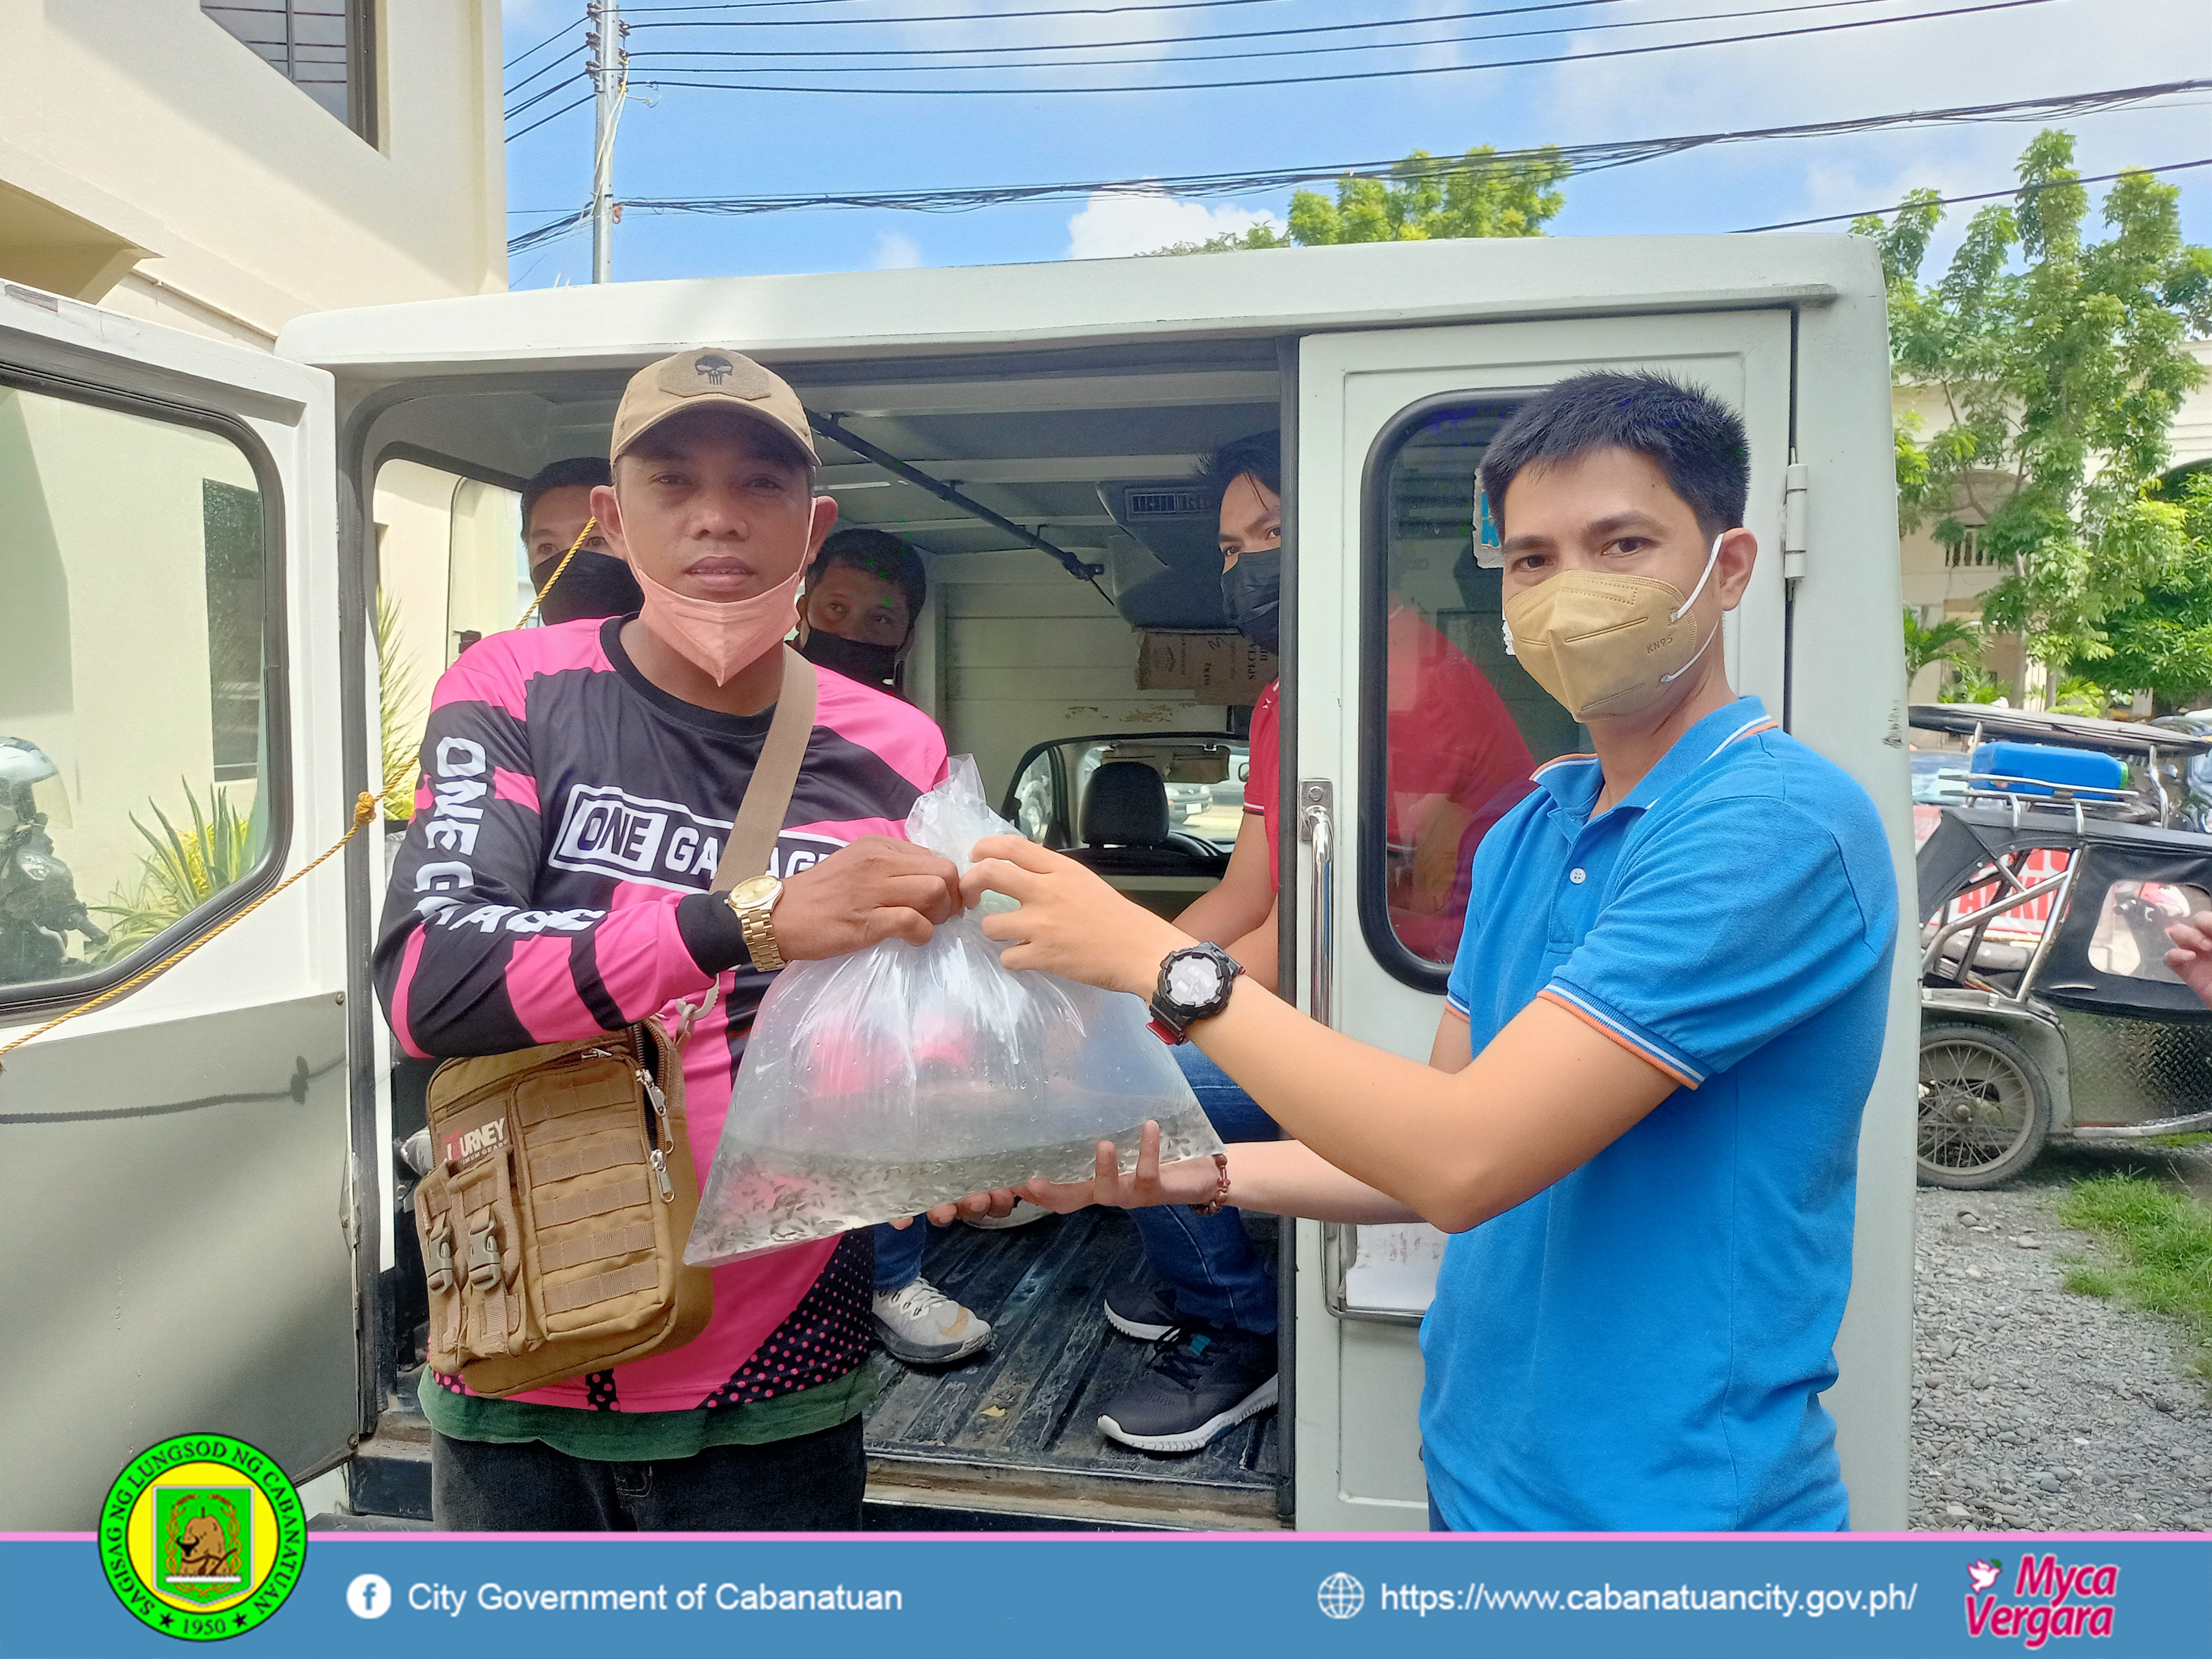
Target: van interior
1088, 458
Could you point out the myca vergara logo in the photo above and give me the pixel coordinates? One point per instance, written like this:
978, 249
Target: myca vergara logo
202, 1537
2048, 1600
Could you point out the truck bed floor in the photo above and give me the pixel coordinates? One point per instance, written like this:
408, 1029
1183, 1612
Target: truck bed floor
1013, 1431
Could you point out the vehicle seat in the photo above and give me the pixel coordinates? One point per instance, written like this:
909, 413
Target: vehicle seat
1125, 827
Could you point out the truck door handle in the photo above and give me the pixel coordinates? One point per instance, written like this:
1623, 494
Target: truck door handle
1316, 796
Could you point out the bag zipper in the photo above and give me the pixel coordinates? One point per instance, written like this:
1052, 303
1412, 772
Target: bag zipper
658, 1133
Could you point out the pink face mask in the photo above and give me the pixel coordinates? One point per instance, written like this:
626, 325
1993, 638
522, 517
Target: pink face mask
720, 635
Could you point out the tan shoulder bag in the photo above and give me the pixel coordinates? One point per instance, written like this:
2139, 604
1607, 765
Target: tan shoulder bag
554, 1216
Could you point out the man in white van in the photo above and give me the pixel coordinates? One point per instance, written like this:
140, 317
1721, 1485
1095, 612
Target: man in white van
1640, 1115
499, 935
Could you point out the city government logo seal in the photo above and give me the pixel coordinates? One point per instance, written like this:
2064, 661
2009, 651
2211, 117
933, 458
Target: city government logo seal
202, 1537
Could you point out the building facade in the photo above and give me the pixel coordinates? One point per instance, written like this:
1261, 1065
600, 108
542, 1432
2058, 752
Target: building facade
1943, 581
224, 167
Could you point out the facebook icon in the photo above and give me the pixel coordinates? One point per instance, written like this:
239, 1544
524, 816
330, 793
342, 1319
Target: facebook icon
370, 1596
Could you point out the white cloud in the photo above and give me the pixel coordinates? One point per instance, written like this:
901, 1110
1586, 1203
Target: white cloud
2035, 51
896, 252
1112, 227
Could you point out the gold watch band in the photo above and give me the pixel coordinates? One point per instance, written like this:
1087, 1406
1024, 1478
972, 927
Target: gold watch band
756, 914
760, 939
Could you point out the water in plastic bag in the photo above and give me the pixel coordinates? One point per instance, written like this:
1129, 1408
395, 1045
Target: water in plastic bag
877, 1084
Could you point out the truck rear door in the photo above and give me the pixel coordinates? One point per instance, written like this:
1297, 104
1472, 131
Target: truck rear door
1389, 532
175, 1204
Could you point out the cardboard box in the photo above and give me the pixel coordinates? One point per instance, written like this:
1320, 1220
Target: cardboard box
1219, 667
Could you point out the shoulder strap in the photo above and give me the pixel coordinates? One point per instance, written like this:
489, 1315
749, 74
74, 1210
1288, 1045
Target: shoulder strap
767, 795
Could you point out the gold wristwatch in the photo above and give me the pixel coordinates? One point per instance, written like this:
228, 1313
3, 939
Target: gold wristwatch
752, 901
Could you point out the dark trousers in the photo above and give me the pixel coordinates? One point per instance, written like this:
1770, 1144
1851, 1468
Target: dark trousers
810, 1483
1209, 1262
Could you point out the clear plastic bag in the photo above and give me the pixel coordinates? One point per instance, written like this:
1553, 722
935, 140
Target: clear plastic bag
877, 1084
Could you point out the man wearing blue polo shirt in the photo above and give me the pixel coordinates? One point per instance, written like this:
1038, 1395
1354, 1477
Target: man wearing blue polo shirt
1640, 1116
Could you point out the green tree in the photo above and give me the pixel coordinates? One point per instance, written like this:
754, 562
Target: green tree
1477, 195
1948, 640
2162, 642
2059, 363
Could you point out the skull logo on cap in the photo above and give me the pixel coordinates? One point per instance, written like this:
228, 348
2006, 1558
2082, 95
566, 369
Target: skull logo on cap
715, 368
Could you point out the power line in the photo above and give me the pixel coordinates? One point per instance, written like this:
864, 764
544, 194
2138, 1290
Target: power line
544, 93
541, 45
1150, 41
1982, 195
1584, 158
948, 18
1279, 82
546, 68
1275, 51
555, 116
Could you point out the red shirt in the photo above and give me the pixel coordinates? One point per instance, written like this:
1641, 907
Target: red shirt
1453, 747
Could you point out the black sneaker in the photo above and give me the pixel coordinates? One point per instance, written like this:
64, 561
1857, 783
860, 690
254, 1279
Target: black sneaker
1142, 1310
1198, 1388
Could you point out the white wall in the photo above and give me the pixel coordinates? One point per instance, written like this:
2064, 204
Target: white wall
141, 127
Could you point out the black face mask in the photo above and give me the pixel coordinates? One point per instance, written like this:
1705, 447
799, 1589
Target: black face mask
856, 660
1252, 594
594, 585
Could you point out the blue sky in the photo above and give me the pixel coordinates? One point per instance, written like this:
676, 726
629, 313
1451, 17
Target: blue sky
680, 141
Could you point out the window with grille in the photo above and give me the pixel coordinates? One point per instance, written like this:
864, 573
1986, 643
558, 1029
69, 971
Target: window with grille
323, 47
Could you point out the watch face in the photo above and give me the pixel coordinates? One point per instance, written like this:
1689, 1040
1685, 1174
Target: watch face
754, 890
1194, 981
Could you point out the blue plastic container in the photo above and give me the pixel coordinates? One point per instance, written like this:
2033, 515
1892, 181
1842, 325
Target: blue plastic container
2049, 769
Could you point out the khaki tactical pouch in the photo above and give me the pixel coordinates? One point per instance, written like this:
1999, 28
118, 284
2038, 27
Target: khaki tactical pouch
561, 1193
553, 1225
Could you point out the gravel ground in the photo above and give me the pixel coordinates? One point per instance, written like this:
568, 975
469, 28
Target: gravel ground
2035, 1408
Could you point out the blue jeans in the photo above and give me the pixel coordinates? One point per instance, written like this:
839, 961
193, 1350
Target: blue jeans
898, 1255
1209, 1262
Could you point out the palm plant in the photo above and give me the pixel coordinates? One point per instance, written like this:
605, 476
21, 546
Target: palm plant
1951, 640
399, 721
181, 873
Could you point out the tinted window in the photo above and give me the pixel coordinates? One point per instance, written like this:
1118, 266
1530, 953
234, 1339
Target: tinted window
1460, 725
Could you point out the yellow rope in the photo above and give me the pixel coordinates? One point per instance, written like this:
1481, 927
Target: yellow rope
538, 597
363, 810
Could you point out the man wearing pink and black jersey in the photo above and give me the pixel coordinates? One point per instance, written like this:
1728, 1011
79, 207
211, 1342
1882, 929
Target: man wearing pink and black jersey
577, 781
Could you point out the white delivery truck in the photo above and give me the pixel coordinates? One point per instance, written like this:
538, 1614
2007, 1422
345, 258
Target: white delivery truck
200, 1190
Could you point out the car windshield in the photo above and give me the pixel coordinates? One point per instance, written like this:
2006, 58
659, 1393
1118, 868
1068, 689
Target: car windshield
1204, 778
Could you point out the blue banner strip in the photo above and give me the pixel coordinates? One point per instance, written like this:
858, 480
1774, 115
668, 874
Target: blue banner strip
1218, 1597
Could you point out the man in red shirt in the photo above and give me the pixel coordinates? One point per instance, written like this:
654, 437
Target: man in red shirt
1457, 764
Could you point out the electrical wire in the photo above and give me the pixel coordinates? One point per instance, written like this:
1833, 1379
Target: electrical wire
1582, 158
949, 17
1981, 196
1277, 83
541, 45
1154, 40
1275, 51
546, 68
544, 93
555, 116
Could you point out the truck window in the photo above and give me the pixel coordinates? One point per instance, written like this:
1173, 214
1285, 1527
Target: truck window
135, 748
1453, 726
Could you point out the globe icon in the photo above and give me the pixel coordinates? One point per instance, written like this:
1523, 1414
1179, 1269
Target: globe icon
1341, 1596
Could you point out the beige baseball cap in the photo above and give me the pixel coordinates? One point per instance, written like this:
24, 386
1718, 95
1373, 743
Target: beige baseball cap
711, 377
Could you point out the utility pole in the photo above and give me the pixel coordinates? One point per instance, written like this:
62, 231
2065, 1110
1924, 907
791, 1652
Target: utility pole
609, 68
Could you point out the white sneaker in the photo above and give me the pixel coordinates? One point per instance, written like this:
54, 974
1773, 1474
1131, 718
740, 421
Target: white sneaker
1023, 1213
921, 1325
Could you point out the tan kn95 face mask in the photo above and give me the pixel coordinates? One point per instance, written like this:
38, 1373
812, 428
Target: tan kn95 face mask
1606, 645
